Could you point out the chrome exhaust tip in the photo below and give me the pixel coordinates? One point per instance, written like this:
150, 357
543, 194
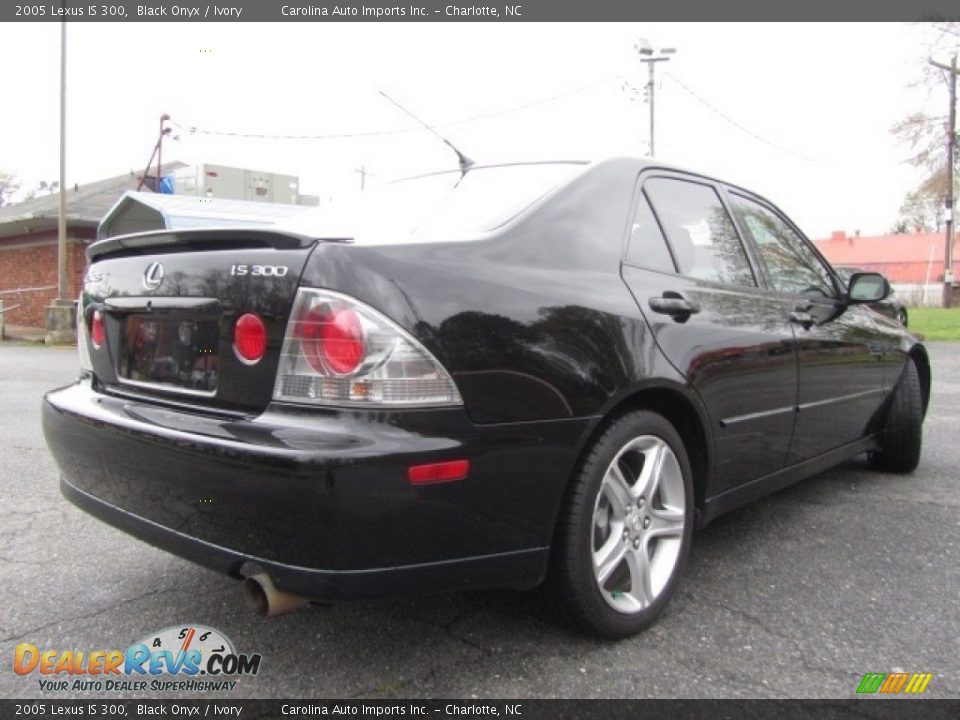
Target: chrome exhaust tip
266, 599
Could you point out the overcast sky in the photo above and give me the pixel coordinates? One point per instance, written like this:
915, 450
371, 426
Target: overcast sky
821, 98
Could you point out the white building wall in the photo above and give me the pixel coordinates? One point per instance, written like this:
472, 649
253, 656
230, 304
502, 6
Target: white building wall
920, 294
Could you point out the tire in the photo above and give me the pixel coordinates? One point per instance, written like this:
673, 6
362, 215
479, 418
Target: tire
608, 515
902, 435
902, 317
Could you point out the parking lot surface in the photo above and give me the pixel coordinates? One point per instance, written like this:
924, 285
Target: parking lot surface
797, 595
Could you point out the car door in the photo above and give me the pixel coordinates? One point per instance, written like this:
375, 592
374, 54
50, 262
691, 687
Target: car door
697, 287
838, 348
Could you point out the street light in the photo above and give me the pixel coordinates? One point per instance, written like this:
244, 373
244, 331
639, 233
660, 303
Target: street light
651, 57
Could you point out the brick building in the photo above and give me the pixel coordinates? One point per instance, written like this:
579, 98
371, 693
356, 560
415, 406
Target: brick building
28, 244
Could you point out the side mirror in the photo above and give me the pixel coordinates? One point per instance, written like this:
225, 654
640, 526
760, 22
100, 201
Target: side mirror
867, 287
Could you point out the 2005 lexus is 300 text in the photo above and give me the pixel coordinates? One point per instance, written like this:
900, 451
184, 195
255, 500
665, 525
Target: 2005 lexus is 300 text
494, 377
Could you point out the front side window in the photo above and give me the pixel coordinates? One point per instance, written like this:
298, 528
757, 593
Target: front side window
792, 265
704, 241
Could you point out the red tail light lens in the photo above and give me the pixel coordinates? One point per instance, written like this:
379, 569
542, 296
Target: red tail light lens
250, 337
97, 332
338, 351
332, 337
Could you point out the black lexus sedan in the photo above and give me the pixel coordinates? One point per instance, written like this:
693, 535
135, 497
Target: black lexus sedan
512, 375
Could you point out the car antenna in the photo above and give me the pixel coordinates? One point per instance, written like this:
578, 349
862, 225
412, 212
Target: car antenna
465, 162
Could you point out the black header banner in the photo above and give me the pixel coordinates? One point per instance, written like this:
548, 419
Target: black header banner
478, 11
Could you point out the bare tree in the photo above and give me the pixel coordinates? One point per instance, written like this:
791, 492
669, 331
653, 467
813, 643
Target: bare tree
925, 134
921, 210
8, 186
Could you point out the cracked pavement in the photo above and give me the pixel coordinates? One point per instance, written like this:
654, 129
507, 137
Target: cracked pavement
797, 595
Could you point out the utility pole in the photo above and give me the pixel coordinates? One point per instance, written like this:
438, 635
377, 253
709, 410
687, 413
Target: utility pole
651, 90
157, 153
951, 163
163, 131
61, 317
62, 208
647, 56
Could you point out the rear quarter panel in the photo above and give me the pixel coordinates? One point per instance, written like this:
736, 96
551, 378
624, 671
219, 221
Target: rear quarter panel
532, 320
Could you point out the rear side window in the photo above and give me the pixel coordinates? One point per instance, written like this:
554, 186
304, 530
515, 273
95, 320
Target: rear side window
648, 248
793, 267
704, 241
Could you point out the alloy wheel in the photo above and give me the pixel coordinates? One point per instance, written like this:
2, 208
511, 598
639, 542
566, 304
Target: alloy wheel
638, 524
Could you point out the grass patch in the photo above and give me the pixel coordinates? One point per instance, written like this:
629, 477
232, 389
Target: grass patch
936, 323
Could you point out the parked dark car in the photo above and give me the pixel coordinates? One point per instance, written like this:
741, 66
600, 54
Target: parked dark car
889, 306
525, 373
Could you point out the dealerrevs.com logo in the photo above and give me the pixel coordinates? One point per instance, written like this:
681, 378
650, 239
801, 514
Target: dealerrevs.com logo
182, 658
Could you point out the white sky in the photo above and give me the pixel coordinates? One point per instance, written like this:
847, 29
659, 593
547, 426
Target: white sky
824, 94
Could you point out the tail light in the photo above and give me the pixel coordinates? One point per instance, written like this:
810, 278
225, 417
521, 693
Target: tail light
339, 351
250, 338
331, 336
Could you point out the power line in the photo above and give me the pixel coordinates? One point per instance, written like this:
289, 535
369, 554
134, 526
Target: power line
710, 106
195, 130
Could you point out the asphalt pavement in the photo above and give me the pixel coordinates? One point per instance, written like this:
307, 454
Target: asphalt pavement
797, 595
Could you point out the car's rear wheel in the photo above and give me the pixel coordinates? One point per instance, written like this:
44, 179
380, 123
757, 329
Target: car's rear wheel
902, 435
625, 532
902, 316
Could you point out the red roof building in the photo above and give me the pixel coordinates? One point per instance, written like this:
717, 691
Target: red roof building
904, 259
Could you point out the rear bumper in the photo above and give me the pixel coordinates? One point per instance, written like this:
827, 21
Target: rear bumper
317, 498
521, 568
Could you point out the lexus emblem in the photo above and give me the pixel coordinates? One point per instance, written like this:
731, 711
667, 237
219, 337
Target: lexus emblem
153, 276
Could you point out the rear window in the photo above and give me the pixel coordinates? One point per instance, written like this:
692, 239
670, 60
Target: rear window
442, 206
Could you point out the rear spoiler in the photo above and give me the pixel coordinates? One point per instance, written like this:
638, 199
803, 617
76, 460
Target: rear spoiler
167, 241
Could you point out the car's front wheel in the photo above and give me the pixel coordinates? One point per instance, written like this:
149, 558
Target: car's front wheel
902, 435
625, 532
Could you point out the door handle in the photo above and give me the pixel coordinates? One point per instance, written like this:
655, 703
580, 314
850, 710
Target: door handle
674, 305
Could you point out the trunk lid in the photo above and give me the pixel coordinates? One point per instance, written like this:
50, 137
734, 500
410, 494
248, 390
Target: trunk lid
169, 303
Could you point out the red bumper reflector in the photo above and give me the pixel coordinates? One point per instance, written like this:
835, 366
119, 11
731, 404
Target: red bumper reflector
438, 472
